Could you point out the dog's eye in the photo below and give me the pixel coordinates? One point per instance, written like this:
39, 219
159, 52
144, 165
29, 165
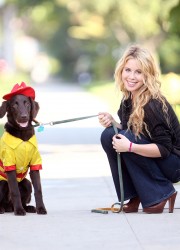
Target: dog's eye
27, 104
15, 105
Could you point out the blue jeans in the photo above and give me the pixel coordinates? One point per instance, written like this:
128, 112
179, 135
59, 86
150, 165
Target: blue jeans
151, 179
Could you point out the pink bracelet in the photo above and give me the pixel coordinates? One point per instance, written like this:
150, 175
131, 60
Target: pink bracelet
130, 146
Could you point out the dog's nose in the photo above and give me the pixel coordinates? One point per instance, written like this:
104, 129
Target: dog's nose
24, 116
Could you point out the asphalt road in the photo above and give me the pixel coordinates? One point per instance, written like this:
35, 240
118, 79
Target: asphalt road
60, 102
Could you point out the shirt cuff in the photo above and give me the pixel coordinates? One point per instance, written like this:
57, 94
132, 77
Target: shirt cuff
36, 167
9, 168
163, 151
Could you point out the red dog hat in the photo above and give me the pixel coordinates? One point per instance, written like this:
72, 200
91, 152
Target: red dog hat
20, 90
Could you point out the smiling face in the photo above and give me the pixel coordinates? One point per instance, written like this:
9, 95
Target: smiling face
132, 76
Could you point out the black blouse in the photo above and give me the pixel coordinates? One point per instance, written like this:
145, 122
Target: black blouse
165, 136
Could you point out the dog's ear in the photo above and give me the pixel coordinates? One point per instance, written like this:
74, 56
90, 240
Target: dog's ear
3, 109
35, 108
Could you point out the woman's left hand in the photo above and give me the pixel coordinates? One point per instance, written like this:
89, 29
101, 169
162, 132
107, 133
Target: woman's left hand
120, 143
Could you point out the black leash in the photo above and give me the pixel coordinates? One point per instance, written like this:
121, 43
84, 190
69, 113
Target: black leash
113, 208
41, 125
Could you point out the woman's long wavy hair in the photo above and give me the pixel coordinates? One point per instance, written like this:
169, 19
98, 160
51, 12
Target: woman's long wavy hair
150, 89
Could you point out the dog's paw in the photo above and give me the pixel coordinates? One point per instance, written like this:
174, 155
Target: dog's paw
41, 210
9, 208
19, 211
30, 209
2, 210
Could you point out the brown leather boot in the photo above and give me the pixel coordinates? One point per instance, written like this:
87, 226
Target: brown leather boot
132, 205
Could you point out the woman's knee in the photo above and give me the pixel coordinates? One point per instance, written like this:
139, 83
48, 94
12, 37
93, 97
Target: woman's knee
133, 138
107, 135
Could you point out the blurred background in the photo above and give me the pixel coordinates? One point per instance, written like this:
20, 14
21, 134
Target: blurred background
67, 50
80, 41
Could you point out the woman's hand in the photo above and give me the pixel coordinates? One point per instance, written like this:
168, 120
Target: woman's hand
105, 119
120, 143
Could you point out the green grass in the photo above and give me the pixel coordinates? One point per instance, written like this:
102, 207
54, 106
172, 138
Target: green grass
1, 129
108, 93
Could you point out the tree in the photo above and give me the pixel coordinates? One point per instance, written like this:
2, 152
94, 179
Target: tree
169, 52
175, 20
87, 37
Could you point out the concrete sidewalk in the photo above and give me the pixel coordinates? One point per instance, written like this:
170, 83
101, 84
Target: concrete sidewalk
75, 179
82, 182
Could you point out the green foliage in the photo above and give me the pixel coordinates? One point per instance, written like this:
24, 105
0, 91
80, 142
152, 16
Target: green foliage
171, 88
96, 32
177, 110
8, 80
169, 54
1, 129
175, 20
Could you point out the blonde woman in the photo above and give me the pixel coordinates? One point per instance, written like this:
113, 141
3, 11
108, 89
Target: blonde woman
148, 139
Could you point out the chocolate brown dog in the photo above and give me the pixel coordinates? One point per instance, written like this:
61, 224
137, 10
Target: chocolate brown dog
19, 153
